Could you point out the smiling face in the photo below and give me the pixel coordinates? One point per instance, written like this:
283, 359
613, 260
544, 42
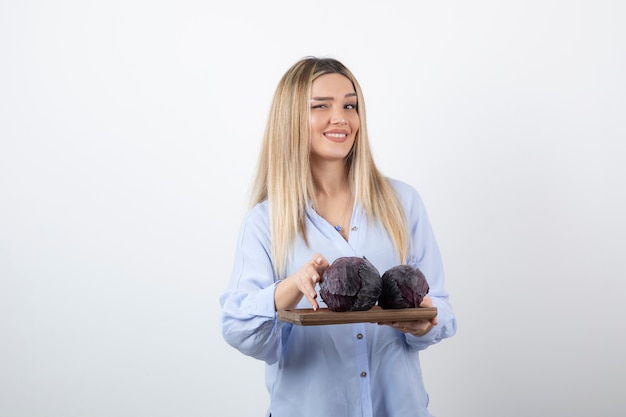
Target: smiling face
334, 120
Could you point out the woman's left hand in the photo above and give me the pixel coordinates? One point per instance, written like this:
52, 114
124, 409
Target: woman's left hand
417, 327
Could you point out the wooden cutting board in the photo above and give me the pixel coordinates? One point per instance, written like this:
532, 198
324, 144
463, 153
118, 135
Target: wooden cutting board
310, 317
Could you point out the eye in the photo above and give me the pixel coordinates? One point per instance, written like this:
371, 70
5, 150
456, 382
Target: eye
319, 106
350, 106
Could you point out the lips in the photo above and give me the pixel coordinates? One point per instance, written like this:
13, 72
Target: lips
338, 136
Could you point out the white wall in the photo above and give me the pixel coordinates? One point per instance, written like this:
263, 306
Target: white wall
128, 136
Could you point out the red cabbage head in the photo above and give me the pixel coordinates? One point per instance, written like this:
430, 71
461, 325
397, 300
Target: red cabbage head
350, 283
404, 286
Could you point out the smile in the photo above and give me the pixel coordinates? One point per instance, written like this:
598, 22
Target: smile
337, 137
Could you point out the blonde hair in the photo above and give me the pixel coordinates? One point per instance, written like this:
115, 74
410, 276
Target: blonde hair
284, 174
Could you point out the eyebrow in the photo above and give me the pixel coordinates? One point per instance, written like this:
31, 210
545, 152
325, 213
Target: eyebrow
332, 98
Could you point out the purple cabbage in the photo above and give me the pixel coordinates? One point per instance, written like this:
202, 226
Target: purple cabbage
350, 283
404, 286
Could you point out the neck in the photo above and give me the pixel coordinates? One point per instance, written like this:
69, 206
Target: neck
330, 180
333, 198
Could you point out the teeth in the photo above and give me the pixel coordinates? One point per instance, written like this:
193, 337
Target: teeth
336, 135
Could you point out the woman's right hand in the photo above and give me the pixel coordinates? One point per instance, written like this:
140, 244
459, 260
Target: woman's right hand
301, 283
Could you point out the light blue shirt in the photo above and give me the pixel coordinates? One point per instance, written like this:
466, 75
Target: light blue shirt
348, 370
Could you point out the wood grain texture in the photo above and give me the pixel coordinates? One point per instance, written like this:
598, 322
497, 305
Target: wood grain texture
323, 316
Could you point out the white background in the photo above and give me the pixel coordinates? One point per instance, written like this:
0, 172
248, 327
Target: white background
128, 137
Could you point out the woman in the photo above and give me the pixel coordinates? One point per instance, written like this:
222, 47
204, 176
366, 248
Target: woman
318, 196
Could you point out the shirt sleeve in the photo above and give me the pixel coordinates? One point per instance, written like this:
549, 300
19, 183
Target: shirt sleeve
248, 321
424, 254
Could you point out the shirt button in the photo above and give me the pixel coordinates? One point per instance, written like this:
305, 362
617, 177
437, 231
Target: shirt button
354, 229
363, 374
359, 336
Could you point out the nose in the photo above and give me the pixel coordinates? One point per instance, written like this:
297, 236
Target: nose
338, 119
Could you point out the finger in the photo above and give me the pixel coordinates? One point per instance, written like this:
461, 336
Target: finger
399, 325
313, 302
426, 302
422, 332
308, 286
319, 262
309, 292
418, 328
318, 259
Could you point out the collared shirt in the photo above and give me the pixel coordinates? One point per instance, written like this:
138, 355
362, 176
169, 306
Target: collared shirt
348, 370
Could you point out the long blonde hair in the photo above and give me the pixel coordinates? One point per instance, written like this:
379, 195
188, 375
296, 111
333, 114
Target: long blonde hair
284, 174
